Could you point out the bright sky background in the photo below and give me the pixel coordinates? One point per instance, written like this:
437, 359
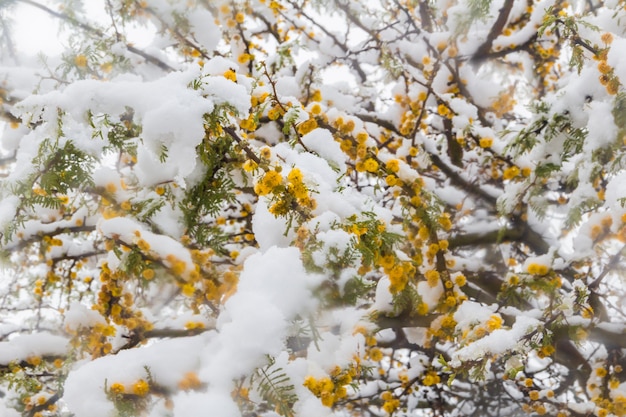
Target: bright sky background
34, 31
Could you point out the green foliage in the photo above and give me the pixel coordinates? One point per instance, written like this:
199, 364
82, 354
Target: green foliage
407, 301
567, 27
63, 168
275, 388
211, 193
374, 238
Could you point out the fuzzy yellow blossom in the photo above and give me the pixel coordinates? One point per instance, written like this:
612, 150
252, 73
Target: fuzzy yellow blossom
178, 267
460, 280
117, 388
141, 388
316, 109
511, 172
607, 37
249, 165
393, 165
80, 61
33, 360
273, 113
432, 277
422, 309
375, 354
230, 75
316, 96
391, 180
537, 269
147, 274
188, 290
110, 188
431, 378
272, 179
190, 381
533, 395
494, 322
450, 301
603, 67
370, 165
306, 127
143, 245
444, 222
239, 17
391, 405
485, 142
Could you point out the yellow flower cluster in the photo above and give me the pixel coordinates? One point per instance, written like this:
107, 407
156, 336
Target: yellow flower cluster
306, 127
398, 271
230, 75
190, 381
431, 378
390, 403
139, 388
325, 390
537, 269
268, 183
485, 142
511, 172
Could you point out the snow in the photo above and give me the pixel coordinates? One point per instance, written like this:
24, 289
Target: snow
127, 367
79, 316
496, 343
270, 231
204, 28
276, 297
30, 345
322, 142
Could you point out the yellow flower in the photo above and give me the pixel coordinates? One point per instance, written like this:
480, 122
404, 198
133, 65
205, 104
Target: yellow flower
316, 109
274, 113
444, 221
239, 17
80, 61
272, 179
244, 58
141, 388
190, 381
117, 388
391, 405
494, 322
432, 277
431, 378
306, 127
143, 245
376, 354
188, 290
249, 165
486, 142
295, 176
147, 274
537, 269
511, 172
316, 96
393, 165
230, 75
370, 165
